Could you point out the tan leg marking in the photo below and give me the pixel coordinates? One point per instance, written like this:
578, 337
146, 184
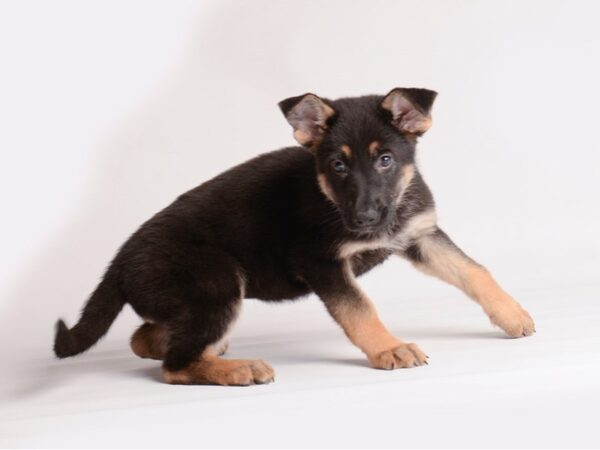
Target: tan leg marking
150, 341
501, 308
450, 265
214, 370
384, 351
357, 316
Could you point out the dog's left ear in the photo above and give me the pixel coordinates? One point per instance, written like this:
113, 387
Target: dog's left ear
308, 115
410, 109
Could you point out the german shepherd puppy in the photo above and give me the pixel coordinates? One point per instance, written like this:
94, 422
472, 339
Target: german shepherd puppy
280, 226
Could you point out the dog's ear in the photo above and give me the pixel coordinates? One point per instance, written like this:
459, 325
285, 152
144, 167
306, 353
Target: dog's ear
308, 115
410, 109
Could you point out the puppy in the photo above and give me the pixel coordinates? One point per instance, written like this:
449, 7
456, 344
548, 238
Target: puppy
280, 226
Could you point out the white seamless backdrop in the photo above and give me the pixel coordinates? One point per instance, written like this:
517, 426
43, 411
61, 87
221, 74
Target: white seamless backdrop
109, 110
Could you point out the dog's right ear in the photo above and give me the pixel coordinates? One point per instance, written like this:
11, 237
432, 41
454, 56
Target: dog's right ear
410, 109
308, 115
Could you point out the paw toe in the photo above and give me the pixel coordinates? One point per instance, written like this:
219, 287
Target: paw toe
240, 376
262, 372
403, 356
515, 321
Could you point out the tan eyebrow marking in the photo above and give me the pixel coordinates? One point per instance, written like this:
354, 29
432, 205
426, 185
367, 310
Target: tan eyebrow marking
347, 151
373, 147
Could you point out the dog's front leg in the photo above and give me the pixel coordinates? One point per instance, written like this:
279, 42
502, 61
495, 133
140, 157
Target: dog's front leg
436, 254
353, 310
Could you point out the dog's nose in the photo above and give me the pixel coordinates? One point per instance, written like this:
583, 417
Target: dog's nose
366, 218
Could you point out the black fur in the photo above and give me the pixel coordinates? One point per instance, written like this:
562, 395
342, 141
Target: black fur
98, 314
263, 229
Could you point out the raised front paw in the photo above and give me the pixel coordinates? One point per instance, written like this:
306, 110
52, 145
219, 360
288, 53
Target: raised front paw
402, 356
513, 319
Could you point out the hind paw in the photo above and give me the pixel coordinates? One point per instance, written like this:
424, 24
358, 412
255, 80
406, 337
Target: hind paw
223, 372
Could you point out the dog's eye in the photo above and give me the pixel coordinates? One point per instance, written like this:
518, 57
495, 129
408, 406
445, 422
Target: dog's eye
338, 166
386, 160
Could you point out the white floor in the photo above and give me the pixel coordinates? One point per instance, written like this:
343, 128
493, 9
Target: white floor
480, 390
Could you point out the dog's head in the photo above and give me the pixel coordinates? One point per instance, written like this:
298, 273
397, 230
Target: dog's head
364, 149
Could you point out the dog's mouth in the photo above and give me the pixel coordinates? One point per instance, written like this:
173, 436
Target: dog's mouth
364, 231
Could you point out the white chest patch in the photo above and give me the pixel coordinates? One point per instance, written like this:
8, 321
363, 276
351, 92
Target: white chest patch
416, 227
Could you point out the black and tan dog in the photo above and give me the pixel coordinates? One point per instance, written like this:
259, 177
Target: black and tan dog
280, 226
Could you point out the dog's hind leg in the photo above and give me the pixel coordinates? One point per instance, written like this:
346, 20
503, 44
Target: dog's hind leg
219, 348
189, 360
150, 341
213, 301
435, 254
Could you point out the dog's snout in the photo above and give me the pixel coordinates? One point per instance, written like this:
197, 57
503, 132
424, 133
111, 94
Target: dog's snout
367, 217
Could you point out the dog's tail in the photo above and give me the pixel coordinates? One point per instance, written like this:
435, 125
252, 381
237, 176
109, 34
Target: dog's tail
97, 316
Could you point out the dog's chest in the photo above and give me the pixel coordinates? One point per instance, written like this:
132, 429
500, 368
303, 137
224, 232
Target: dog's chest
417, 226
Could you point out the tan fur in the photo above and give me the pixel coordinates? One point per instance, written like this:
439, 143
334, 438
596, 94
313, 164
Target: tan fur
388, 102
417, 124
302, 137
424, 125
373, 147
217, 349
309, 136
358, 318
451, 265
411, 120
150, 341
328, 111
408, 173
401, 357
418, 225
384, 351
214, 370
325, 188
347, 151
361, 324
501, 308
351, 248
